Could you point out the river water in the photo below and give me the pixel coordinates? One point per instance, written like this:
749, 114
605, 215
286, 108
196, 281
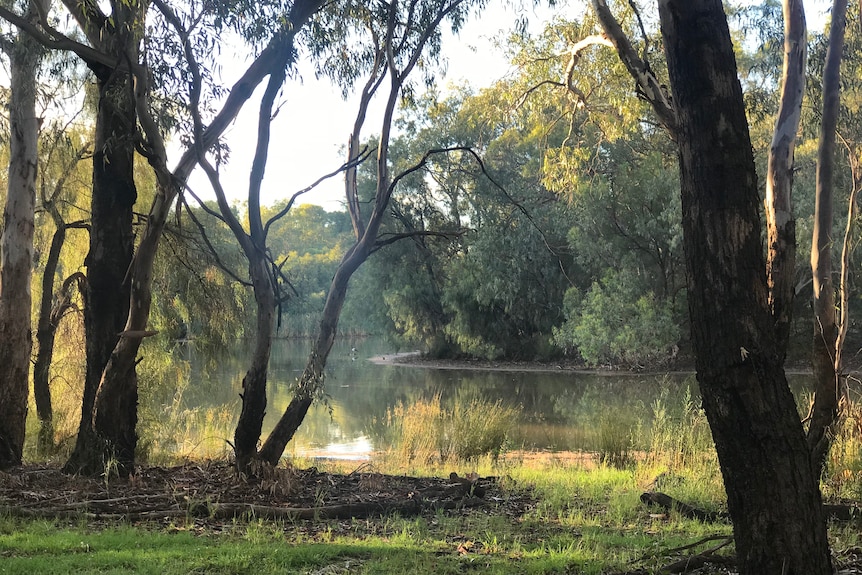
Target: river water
557, 411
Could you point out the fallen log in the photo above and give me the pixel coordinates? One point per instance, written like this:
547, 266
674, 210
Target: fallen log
360, 510
668, 503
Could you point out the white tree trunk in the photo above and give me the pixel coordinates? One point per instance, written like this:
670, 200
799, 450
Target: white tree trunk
16, 246
780, 225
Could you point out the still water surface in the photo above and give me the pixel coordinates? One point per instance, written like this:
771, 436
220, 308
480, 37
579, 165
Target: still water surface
559, 411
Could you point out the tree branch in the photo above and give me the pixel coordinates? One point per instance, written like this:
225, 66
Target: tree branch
363, 155
55, 40
651, 89
384, 240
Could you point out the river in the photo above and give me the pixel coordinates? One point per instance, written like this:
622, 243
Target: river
556, 411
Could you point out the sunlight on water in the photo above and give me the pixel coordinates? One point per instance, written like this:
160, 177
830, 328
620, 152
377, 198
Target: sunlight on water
557, 411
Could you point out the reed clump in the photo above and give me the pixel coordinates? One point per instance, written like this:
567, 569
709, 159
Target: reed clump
427, 431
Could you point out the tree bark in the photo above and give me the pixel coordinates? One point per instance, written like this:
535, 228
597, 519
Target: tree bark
45, 333
250, 424
312, 378
106, 301
824, 413
780, 225
773, 498
16, 245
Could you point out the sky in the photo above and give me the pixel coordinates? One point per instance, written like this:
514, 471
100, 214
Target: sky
311, 129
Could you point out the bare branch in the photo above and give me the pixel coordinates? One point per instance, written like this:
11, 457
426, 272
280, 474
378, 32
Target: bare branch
363, 155
213, 252
55, 40
384, 240
575, 52
523, 99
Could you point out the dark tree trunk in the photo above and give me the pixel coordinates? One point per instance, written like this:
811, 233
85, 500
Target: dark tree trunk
45, 332
773, 498
250, 424
107, 296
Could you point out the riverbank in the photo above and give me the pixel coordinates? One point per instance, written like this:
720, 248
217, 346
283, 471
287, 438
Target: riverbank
417, 359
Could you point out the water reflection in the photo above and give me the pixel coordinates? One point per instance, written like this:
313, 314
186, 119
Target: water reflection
559, 411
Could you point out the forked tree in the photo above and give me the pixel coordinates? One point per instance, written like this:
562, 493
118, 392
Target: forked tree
401, 34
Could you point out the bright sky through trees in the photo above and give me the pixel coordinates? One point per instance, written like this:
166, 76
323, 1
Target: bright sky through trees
312, 128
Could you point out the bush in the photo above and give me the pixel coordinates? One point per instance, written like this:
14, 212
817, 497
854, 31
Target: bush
613, 324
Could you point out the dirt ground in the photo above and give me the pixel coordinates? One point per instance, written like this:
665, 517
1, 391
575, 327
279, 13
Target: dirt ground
213, 492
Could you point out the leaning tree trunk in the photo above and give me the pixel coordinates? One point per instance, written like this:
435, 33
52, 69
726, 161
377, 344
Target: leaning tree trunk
773, 498
311, 380
824, 413
16, 246
50, 314
780, 225
45, 333
106, 301
116, 382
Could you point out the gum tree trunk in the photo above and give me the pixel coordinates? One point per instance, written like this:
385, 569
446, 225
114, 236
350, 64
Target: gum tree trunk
16, 246
824, 413
106, 298
773, 498
780, 225
312, 376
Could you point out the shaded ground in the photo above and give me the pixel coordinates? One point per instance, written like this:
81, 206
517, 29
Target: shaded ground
212, 492
211, 496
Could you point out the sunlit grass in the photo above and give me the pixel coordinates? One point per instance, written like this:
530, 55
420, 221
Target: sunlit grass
586, 516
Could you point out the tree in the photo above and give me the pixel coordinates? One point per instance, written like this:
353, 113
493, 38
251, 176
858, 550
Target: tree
54, 306
117, 35
780, 222
119, 288
16, 244
826, 355
399, 37
773, 497
117, 381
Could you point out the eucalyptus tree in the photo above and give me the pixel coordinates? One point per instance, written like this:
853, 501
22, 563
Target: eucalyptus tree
119, 287
398, 38
65, 157
272, 61
780, 220
16, 244
606, 157
826, 356
773, 496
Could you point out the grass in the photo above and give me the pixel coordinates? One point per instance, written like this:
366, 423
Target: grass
584, 521
587, 517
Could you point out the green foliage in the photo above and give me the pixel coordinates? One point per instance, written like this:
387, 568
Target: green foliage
193, 296
310, 242
613, 324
